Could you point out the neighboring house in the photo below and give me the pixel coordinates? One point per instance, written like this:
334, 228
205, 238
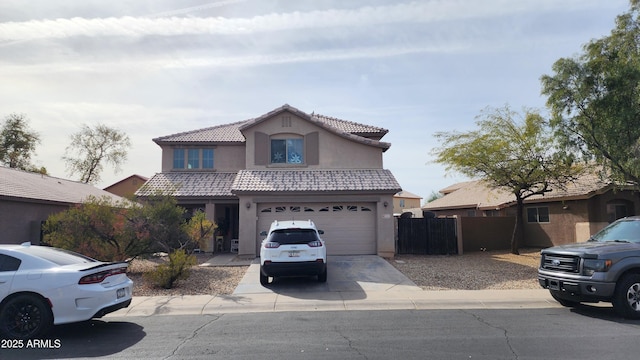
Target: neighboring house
27, 199
404, 201
128, 186
559, 217
284, 165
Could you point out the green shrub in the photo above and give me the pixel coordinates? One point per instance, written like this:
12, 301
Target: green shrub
178, 267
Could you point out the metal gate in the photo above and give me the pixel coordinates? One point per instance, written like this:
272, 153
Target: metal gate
430, 236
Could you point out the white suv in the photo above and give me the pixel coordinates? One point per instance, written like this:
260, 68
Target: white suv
293, 248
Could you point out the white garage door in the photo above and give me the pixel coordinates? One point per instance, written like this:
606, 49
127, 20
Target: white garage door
349, 228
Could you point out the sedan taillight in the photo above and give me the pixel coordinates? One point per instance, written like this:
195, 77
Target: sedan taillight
315, 244
99, 277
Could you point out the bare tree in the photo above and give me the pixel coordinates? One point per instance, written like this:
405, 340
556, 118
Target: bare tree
91, 147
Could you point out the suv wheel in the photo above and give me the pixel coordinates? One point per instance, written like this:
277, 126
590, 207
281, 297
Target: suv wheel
322, 277
264, 279
626, 300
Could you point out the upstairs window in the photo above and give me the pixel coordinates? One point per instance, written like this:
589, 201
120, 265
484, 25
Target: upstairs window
287, 151
192, 158
178, 158
207, 158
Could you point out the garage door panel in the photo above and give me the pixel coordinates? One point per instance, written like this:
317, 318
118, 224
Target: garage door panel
349, 228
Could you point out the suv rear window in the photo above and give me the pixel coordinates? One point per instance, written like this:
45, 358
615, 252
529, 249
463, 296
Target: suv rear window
293, 236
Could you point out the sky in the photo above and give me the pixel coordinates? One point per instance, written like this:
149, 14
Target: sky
152, 68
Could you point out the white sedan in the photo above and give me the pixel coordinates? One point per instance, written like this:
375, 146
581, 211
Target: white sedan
41, 286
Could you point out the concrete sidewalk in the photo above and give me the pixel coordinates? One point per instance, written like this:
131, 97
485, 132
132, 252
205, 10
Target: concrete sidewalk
336, 301
354, 283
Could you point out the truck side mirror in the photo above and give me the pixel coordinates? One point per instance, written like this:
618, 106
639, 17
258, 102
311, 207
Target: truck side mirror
263, 233
321, 232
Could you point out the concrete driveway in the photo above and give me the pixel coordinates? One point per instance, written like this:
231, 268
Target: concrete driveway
356, 274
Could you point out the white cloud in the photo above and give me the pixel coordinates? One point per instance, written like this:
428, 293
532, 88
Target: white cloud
414, 12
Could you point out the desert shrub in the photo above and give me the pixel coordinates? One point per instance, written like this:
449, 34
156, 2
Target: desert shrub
178, 267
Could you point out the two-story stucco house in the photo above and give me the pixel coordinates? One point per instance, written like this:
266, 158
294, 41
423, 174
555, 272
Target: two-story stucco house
284, 165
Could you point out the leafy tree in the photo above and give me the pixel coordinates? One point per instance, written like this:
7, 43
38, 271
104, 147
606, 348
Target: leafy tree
595, 100
17, 142
508, 153
199, 228
97, 228
119, 230
433, 196
91, 147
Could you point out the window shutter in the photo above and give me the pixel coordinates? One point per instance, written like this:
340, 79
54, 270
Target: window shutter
312, 148
261, 148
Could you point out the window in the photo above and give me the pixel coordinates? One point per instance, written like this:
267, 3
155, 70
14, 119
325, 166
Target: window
287, 151
207, 158
9, 263
192, 158
193, 161
178, 158
538, 214
401, 203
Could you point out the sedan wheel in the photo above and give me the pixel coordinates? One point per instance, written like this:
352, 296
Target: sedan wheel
25, 317
626, 300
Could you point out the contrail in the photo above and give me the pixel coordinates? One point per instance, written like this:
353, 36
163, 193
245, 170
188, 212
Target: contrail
195, 8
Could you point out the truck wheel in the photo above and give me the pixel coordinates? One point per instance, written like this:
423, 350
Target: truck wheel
563, 302
626, 299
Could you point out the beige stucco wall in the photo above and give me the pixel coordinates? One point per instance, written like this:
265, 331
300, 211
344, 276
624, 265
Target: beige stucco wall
228, 158
20, 221
335, 152
409, 203
127, 187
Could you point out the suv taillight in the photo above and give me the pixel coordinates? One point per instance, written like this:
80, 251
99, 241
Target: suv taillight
316, 243
271, 245
99, 277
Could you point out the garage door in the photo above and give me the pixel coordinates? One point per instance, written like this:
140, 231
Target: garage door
349, 228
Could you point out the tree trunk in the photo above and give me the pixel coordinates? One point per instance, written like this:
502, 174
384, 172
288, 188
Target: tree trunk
516, 236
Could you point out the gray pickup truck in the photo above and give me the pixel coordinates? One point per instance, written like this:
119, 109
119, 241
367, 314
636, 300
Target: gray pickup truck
604, 268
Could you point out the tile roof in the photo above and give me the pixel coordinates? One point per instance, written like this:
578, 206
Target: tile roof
227, 133
33, 186
315, 180
187, 184
477, 194
232, 133
407, 195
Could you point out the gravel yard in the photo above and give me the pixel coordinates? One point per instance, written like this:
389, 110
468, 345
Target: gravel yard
471, 271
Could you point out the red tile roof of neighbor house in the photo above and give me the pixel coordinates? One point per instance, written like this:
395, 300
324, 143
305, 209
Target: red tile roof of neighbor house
29, 186
232, 133
478, 195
